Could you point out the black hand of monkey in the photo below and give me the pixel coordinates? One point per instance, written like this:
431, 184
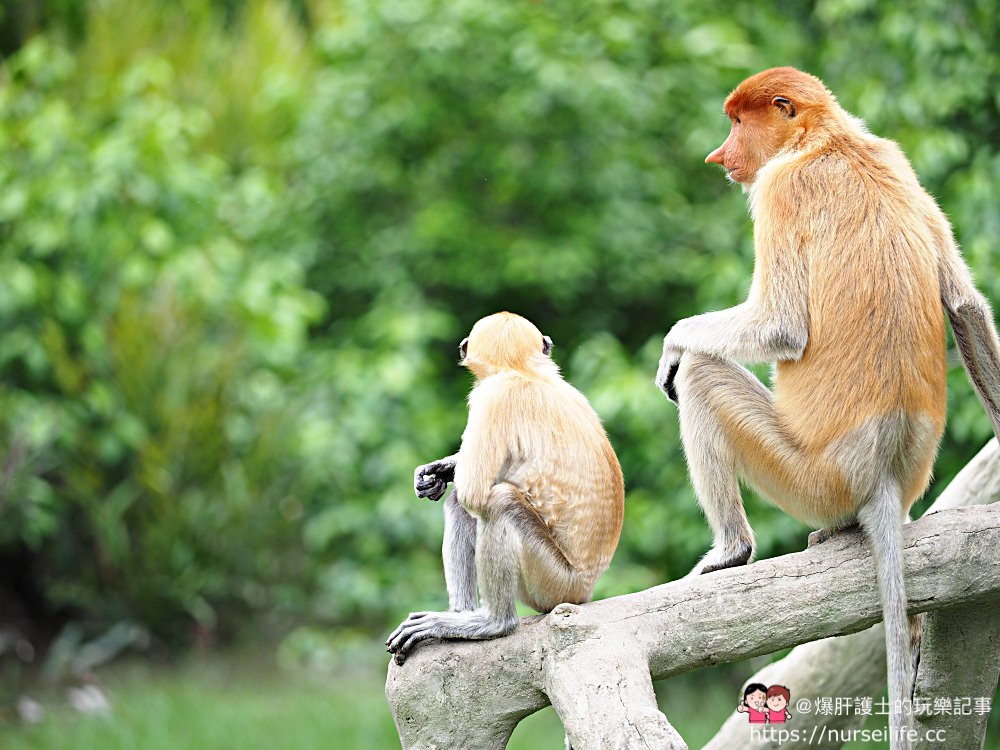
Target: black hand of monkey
431, 480
668, 385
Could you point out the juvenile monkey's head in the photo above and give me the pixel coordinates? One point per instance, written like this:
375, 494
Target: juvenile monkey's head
770, 112
506, 341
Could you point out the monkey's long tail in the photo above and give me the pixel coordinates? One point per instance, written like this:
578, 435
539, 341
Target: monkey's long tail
882, 521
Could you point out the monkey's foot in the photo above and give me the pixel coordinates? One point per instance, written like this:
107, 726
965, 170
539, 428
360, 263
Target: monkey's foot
421, 626
821, 535
415, 628
726, 558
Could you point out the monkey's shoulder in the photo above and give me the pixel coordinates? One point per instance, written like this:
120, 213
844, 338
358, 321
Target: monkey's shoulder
809, 174
837, 183
796, 184
511, 390
545, 411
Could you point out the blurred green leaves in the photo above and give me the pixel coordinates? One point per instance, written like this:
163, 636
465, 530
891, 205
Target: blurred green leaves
238, 249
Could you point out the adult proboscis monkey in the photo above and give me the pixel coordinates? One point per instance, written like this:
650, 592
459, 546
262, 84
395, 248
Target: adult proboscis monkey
853, 261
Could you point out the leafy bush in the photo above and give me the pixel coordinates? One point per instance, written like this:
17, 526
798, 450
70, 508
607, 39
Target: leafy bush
237, 249
147, 347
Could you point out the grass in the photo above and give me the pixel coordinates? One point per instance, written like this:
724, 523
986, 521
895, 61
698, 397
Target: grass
221, 705
227, 703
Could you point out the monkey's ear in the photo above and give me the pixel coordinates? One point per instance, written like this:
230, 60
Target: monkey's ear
463, 348
785, 105
546, 345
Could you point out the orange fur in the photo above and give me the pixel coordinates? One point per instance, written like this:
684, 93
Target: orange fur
823, 188
854, 261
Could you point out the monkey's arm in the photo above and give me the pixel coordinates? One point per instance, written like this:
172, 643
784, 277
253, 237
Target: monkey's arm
431, 480
754, 332
976, 335
487, 439
748, 333
772, 325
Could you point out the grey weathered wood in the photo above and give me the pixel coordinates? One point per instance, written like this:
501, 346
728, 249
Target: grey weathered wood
588, 661
604, 694
960, 658
978, 483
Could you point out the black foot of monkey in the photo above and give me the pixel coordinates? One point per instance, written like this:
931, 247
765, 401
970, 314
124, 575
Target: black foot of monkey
741, 556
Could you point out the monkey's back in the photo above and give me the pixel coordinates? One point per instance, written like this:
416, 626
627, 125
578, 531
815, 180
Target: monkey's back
876, 346
559, 456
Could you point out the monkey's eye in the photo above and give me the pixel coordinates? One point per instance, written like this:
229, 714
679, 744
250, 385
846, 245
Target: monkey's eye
463, 348
546, 345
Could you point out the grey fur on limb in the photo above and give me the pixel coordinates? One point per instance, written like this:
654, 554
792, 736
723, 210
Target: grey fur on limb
593, 662
854, 665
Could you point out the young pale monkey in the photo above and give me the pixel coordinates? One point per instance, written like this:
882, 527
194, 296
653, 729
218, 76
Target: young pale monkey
853, 262
537, 506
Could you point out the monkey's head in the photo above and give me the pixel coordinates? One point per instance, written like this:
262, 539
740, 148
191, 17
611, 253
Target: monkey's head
769, 112
505, 341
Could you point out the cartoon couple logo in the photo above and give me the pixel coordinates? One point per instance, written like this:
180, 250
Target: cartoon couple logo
765, 705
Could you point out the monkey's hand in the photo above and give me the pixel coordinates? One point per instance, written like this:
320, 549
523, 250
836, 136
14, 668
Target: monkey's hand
431, 480
667, 371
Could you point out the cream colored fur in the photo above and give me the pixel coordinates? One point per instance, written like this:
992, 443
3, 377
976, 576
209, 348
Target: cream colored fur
537, 508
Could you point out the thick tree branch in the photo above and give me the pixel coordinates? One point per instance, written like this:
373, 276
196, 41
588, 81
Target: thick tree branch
584, 659
960, 658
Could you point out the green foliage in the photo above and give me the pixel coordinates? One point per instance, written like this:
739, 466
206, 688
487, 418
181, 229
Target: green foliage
238, 245
149, 349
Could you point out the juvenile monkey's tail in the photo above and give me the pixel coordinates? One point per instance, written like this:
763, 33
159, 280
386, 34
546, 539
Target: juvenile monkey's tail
881, 519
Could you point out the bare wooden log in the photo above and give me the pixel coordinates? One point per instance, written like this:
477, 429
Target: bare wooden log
604, 695
960, 662
854, 665
472, 694
978, 483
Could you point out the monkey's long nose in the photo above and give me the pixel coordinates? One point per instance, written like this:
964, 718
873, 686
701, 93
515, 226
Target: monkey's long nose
717, 156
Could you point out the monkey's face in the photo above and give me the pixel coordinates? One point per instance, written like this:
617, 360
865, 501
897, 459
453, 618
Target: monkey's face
504, 341
755, 137
768, 112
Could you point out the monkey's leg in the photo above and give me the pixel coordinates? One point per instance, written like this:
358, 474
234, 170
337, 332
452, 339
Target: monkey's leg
459, 555
707, 389
731, 431
510, 535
